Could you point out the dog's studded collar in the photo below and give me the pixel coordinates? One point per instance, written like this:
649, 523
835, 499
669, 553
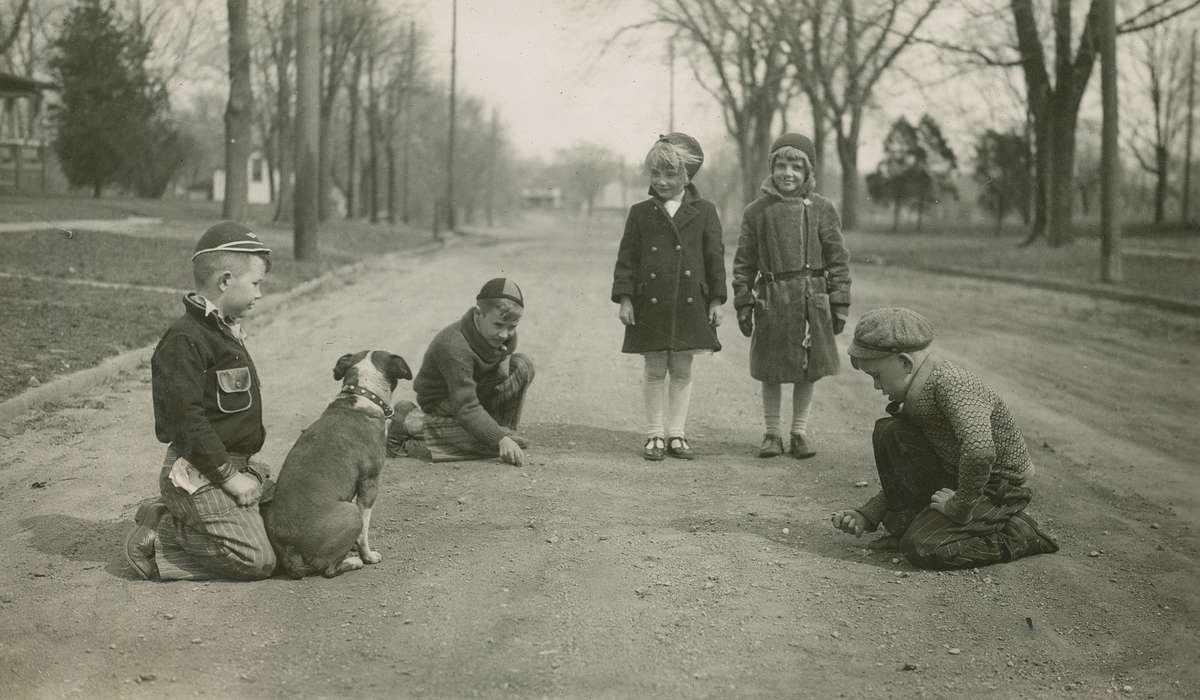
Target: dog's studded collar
370, 396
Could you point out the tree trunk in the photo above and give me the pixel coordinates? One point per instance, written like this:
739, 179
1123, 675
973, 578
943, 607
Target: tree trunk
307, 127
1062, 173
391, 186
896, 215
1161, 172
239, 111
1110, 219
325, 162
373, 135
352, 136
847, 146
287, 147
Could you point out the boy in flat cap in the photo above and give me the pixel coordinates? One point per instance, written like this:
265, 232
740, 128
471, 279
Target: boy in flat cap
951, 461
791, 288
208, 409
471, 386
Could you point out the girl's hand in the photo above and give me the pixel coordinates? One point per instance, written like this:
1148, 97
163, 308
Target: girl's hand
626, 312
714, 314
938, 500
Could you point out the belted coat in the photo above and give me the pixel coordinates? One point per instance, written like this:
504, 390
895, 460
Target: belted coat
671, 267
792, 266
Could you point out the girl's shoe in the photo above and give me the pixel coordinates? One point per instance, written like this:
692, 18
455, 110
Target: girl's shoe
772, 446
799, 448
678, 448
655, 449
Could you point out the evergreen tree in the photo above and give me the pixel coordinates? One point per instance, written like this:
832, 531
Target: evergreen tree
1002, 169
111, 124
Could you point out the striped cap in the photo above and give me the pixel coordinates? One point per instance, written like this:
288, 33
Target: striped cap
229, 237
501, 288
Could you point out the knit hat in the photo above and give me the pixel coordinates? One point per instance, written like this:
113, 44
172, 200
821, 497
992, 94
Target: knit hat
501, 288
689, 144
889, 331
229, 237
795, 140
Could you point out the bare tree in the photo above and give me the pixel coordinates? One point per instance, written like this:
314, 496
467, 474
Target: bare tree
737, 56
10, 29
341, 25
1162, 75
307, 128
238, 111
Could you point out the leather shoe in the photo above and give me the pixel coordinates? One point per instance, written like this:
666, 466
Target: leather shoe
799, 447
655, 449
139, 544
772, 446
678, 448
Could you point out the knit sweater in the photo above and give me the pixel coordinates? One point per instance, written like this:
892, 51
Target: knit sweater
969, 428
454, 364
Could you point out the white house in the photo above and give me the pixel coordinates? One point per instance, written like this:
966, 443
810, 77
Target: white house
258, 186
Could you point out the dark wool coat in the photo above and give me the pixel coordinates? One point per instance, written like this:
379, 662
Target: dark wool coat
671, 267
801, 238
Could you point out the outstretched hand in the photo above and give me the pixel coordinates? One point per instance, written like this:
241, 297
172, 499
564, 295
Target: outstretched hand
939, 498
850, 521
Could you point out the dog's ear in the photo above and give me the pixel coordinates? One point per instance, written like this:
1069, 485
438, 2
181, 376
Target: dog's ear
398, 368
344, 363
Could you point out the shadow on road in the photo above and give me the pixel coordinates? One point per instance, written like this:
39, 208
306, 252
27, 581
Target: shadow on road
80, 540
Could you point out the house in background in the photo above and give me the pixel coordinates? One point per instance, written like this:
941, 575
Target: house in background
25, 154
258, 190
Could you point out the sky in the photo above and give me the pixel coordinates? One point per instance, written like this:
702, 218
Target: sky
540, 63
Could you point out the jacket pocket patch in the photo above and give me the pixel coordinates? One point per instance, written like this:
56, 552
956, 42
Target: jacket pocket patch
233, 389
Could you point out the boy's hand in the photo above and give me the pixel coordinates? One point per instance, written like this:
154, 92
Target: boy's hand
850, 521
626, 312
511, 452
938, 500
746, 320
714, 314
243, 488
839, 318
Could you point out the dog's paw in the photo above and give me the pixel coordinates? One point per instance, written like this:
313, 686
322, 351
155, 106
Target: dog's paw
371, 557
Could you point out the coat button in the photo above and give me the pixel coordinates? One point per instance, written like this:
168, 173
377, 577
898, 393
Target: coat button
687, 273
653, 300
653, 276
678, 247
653, 249
689, 300
808, 267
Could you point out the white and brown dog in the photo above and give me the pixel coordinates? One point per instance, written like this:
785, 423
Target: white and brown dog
328, 483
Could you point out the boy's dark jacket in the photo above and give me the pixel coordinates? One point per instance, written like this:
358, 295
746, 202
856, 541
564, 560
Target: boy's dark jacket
206, 393
671, 267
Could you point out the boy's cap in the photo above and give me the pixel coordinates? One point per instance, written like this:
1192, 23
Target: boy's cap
231, 237
689, 144
799, 141
501, 288
889, 331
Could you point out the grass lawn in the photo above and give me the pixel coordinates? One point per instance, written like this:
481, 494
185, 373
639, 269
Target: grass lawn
1079, 261
53, 328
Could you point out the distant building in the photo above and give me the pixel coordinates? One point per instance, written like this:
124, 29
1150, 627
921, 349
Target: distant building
24, 143
619, 195
258, 190
544, 197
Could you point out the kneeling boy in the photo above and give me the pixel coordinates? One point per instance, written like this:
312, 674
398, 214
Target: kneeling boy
951, 461
471, 386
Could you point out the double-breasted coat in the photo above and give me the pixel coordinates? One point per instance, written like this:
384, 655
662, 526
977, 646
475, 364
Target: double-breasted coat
792, 266
671, 267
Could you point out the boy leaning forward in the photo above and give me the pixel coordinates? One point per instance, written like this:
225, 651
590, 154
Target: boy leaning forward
952, 463
471, 386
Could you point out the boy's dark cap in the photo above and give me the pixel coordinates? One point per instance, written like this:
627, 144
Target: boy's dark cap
501, 288
890, 331
799, 141
689, 144
229, 237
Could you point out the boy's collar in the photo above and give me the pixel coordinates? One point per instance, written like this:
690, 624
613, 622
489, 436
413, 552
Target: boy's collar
209, 310
919, 379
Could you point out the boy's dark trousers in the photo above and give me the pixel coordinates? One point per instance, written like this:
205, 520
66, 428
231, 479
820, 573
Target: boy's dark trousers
911, 472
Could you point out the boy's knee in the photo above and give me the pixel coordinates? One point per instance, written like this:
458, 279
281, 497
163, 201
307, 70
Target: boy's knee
522, 365
260, 566
923, 555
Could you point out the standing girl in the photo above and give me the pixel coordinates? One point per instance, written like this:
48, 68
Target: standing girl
791, 285
670, 282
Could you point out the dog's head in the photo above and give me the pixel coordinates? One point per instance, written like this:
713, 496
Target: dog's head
375, 370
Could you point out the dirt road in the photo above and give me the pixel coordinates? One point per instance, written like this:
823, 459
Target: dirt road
591, 573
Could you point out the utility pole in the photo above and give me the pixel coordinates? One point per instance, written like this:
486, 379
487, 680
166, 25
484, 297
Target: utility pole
1187, 159
450, 140
1110, 163
671, 71
406, 105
